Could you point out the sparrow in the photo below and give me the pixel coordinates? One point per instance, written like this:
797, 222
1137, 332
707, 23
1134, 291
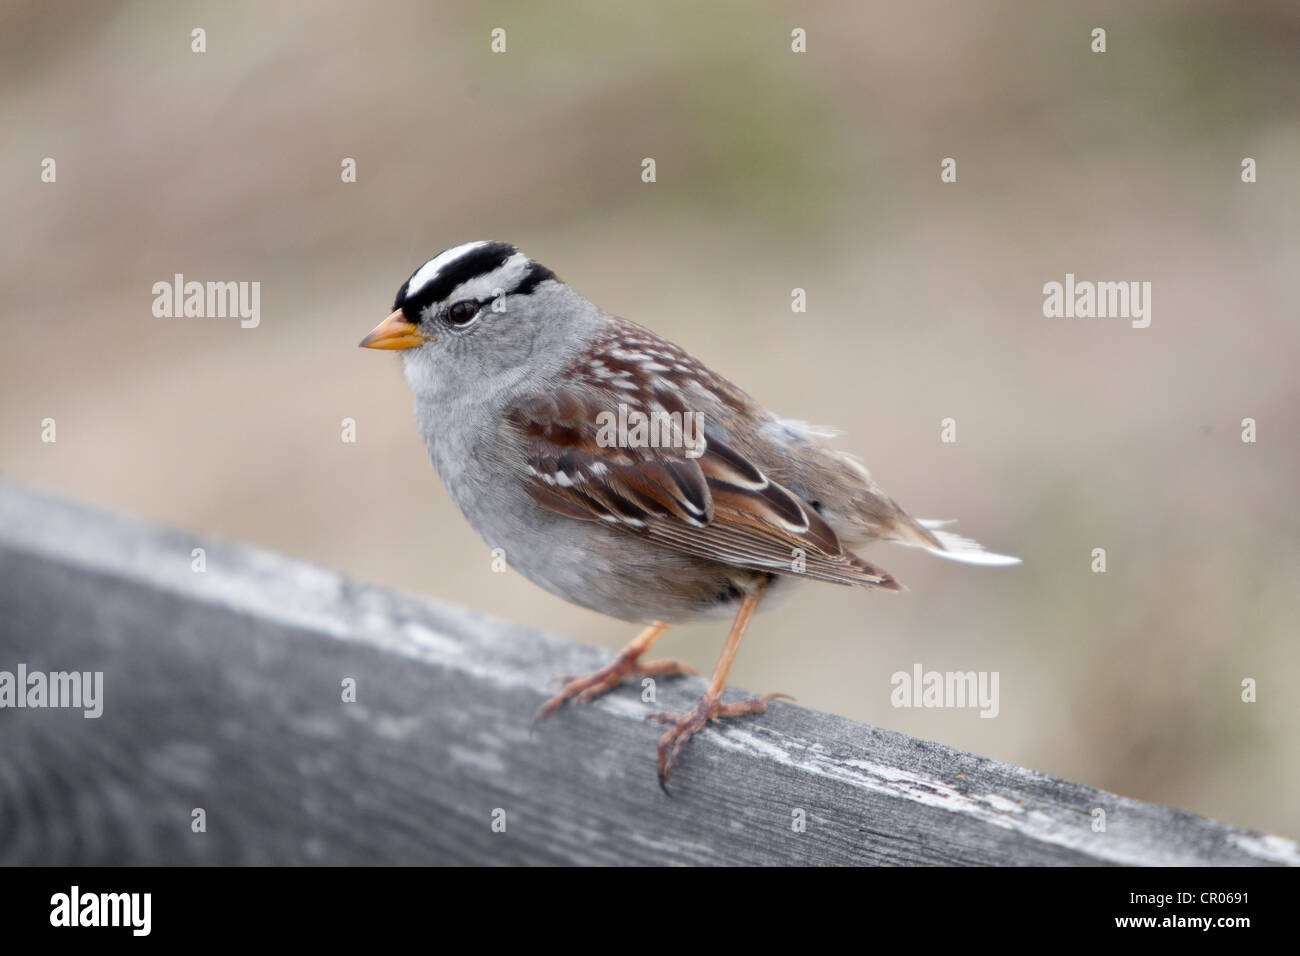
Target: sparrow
621, 473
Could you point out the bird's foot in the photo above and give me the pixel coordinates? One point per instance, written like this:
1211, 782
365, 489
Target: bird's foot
588, 688
685, 726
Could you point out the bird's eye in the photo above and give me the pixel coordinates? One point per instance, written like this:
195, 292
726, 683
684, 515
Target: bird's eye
462, 311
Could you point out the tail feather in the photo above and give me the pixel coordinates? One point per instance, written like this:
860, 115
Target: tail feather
956, 548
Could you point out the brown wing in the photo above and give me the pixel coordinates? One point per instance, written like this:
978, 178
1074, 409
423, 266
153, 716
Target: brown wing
716, 505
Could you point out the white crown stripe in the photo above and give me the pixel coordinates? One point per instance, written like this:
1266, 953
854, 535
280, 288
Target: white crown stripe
429, 271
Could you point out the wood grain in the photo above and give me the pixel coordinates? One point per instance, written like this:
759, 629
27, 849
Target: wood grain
222, 691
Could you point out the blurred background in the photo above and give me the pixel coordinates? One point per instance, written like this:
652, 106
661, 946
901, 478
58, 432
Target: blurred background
775, 170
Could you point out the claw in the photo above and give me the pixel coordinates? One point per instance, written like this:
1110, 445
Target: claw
685, 726
587, 689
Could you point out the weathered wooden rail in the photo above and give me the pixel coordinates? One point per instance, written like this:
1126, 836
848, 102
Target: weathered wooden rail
222, 691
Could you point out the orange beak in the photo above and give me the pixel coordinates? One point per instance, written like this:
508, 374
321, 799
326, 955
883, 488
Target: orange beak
395, 332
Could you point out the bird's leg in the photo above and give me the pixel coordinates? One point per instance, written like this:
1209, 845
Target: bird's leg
627, 664
710, 706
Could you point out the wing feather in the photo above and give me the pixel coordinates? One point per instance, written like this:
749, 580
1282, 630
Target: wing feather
715, 504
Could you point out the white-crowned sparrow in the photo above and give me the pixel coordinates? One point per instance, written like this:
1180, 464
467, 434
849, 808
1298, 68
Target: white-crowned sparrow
539, 412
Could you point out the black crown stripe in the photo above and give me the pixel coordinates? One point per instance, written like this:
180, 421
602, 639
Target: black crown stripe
474, 263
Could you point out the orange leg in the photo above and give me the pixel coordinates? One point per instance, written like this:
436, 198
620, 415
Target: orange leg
710, 706
627, 664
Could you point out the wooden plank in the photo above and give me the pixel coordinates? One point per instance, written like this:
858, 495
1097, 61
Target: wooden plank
222, 691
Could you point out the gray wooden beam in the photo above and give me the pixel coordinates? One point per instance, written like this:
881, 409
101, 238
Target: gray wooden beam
222, 691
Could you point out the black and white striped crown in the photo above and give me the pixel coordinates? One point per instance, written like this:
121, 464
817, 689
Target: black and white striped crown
481, 271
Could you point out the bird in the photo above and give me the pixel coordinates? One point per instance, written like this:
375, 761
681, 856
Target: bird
620, 473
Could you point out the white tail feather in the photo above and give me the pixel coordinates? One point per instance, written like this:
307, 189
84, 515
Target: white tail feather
957, 548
